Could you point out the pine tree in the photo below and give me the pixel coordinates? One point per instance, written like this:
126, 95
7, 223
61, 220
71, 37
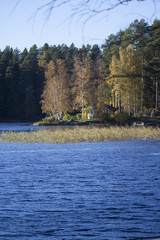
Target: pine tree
11, 82
153, 60
5, 65
30, 84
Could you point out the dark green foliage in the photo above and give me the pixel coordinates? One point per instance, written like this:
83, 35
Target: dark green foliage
102, 117
122, 117
30, 85
111, 47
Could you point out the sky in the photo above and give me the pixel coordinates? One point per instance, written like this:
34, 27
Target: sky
21, 27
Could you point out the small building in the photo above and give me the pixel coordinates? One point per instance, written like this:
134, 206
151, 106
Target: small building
91, 112
110, 109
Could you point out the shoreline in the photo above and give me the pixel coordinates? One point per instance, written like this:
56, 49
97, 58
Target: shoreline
145, 121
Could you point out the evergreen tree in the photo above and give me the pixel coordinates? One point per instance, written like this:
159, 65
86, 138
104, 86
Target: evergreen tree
111, 47
11, 81
153, 61
30, 85
5, 63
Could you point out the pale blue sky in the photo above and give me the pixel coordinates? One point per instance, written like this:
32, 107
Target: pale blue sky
20, 28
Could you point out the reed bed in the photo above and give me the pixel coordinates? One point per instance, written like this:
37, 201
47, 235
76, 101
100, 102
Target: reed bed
82, 134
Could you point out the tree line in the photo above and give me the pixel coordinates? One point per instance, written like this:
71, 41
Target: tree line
124, 72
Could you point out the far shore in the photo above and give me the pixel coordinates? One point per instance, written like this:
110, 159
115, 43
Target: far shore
144, 121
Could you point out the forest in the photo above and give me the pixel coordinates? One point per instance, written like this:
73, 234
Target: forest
54, 80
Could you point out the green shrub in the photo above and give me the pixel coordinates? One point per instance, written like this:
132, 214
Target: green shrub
110, 117
67, 117
74, 118
102, 117
121, 117
48, 119
106, 118
79, 116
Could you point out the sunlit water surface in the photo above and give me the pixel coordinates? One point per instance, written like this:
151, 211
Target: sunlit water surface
94, 191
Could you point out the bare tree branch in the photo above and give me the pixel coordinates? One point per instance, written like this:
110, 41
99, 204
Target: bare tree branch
85, 9
50, 6
16, 5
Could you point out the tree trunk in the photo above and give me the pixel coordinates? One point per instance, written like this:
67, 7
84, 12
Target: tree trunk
119, 101
102, 96
156, 93
135, 107
114, 100
142, 89
129, 106
82, 99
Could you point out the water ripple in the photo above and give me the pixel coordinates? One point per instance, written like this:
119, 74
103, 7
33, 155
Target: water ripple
95, 191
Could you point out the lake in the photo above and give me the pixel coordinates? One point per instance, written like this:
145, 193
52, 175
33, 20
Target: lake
19, 127
93, 191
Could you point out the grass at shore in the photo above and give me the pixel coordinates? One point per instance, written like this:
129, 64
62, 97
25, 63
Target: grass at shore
82, 134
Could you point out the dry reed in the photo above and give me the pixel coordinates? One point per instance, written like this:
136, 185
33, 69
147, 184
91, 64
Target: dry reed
82, 134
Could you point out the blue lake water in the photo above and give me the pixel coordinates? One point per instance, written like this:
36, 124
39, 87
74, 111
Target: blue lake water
19, 127
93, 191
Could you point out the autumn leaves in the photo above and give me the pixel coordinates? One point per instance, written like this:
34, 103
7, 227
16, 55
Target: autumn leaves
64, 92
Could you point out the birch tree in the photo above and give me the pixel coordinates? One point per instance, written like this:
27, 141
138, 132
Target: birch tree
134, 83
55, 98
126, 80
101, 85
113, 80
81, 75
